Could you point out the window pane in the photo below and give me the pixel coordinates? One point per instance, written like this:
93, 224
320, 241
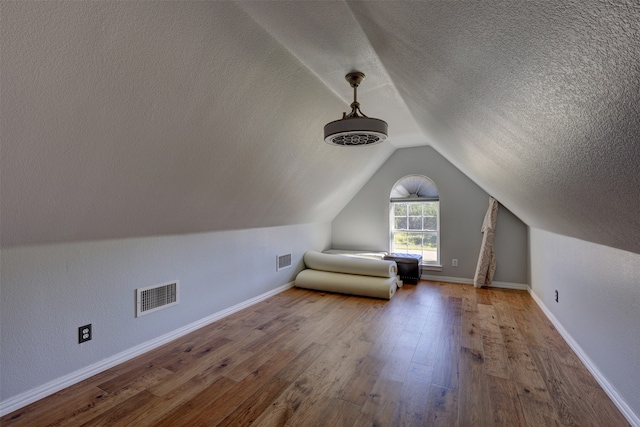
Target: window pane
415, 223
415, 241
430, 240
400, 223
400, 241
430, 208
415, 209
430, 223
400, 209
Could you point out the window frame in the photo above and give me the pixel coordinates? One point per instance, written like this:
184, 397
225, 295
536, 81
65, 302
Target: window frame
393, 230
416, 188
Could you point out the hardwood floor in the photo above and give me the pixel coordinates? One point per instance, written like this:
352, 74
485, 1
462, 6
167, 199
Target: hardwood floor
437, 354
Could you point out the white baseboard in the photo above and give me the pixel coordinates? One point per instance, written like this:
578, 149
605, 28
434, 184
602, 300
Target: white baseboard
23, 399
611, 391
494, 284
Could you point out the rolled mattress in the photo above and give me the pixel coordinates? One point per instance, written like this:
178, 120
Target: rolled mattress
350, 265
356, 254
366, 286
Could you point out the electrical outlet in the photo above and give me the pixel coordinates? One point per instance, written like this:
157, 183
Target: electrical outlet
84, 333
556, 295
454, 262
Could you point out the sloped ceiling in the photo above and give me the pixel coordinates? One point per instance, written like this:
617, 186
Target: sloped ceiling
122, 119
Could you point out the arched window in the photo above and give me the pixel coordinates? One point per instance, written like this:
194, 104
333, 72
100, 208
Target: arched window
415, 218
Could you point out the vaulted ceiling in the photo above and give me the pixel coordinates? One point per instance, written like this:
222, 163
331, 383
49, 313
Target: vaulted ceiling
123, 119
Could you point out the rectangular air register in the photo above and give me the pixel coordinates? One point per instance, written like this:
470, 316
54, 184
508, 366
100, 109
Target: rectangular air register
283, 261
157, 297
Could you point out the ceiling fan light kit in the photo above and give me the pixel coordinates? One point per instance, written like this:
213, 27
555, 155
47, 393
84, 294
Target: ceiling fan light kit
355, 128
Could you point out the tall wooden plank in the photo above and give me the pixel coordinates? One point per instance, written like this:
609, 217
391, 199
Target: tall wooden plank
249, 410
183, 414
483, 296
411, 404
505, 403
398, 362
426, 350
331, 412
522, 367
206, 369
446, 369
495, 354
362, 381
304, 393
538, 413
527, 329
302, 361
470, 331
124, 414
442, 407
379, 408
474, 402
453, 315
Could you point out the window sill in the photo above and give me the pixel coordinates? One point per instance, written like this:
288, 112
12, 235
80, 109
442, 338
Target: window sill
431, 267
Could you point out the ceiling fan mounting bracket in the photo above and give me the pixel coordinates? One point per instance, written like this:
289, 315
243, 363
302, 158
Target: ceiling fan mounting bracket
355, 78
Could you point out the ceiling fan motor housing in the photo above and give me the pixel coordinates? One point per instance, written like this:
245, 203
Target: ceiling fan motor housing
355, 129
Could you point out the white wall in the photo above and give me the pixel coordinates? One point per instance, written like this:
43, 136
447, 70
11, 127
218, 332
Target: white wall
364, 222
598, 303
48, 291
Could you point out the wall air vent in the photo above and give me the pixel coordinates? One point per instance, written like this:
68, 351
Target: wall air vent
154, 298
283, 261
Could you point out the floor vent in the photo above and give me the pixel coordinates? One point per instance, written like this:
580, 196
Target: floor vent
283, 261
154, 298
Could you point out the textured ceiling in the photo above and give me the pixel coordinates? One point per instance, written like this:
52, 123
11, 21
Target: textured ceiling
122, 119
538, 102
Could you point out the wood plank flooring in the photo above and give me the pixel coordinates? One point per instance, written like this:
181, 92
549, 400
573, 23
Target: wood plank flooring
437, 354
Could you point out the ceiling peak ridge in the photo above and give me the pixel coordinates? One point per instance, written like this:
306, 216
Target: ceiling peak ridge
377, 75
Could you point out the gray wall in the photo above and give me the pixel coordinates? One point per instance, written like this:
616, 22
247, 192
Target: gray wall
48, 291
598, 305
364, 222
